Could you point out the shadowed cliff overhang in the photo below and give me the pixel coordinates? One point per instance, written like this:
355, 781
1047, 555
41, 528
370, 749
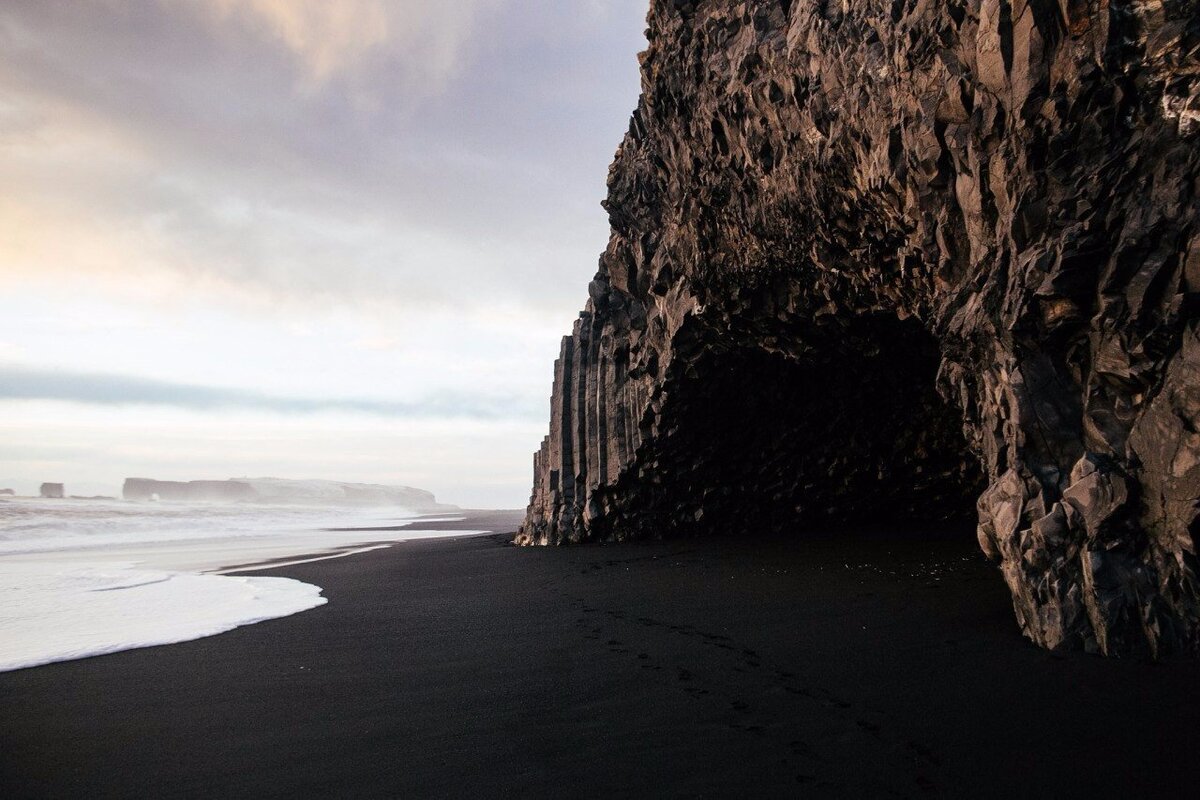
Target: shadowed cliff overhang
906, 262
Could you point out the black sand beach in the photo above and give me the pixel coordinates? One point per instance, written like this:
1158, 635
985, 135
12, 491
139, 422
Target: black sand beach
849, 666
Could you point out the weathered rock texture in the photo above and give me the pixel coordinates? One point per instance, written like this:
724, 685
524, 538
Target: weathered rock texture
874, 261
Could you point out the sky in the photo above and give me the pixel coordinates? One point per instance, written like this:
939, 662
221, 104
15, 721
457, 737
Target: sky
298, 238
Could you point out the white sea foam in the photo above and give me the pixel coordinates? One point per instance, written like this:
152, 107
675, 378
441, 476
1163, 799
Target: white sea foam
57, 611
84, 578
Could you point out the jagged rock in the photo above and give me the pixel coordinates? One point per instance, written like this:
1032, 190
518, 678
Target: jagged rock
52, 490
871, 261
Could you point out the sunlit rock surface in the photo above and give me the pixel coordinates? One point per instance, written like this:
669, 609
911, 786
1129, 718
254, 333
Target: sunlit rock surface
886, 261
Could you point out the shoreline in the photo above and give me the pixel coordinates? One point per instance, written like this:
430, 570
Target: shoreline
824, 666
87, 600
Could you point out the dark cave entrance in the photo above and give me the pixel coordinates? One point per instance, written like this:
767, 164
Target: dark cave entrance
852, 433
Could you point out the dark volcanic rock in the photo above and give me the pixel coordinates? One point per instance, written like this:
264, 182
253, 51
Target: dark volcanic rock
882, 261
52, 490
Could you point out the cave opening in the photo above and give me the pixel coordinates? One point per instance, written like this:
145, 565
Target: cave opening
847, 431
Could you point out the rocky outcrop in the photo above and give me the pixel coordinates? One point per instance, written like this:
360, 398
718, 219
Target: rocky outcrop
280, 490
904, 260
53, 491
194, 491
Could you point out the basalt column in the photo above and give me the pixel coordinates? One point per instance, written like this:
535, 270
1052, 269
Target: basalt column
906, 261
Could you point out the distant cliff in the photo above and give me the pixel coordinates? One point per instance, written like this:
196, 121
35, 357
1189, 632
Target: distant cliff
278, 490
893, 260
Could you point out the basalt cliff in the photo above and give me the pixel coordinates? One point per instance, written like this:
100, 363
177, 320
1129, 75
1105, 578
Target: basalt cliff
906, 261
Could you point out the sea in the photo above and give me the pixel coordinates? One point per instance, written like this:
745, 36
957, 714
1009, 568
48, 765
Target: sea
81, 578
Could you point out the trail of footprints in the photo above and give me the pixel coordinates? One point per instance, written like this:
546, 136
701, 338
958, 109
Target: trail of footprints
851, 722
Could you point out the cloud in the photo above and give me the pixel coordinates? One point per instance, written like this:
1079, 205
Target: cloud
329, 39
415, 183
25, 383
322, 151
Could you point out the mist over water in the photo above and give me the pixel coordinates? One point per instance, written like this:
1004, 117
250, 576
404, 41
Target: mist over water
31, 526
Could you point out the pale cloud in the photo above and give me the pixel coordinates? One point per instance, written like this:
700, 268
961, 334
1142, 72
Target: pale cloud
384, 343
163, 144
334, 38
8, 350
329, 37
393, 202
33, 383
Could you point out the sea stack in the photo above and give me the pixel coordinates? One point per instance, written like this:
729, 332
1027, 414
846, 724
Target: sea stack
52, 490
877, 262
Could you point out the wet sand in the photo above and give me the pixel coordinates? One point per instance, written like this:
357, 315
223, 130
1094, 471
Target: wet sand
853, 665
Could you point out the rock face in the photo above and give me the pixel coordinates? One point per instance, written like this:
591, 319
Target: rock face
197, 491
52, 490
280, 490
879, 261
